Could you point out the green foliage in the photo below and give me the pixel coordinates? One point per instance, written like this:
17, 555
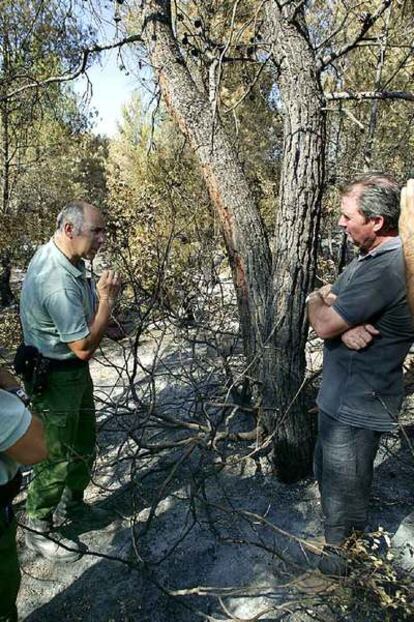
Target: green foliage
41, 38
371, 134
159, 220
63, 167
375, 590
47, 156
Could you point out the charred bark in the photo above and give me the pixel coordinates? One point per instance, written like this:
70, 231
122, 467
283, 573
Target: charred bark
6, 294
4, 120
241, 225
271, 297
296, 231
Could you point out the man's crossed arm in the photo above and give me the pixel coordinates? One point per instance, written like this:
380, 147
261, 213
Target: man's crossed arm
327, 323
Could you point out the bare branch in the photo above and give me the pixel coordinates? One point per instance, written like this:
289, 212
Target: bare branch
96, 49
367, 24
367, 95
353, 118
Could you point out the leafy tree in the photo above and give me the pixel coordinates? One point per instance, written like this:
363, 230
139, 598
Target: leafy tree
158, 209
42, 132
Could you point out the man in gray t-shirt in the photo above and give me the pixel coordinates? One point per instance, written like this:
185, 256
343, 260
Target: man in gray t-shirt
367, 327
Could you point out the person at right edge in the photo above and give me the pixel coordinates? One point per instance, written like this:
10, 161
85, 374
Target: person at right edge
367, 329
406, 228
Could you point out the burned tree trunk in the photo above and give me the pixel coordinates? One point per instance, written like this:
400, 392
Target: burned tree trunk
241, 225
6, 294
270, 298
296, 230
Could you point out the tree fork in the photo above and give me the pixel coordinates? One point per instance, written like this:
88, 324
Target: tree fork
270, 300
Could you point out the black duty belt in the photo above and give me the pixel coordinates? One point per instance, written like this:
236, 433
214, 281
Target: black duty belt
62, 364
34, 367
10, 490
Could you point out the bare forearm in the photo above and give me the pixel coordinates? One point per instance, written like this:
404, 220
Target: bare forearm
315, 310
325, 321
31, 447
108, 287
85, 348
99, 325
317, 313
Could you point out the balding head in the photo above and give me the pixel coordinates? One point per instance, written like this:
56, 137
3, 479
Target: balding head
80, 230
74, 213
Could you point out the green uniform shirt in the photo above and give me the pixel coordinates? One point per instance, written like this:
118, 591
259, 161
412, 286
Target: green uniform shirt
14, 423
57, 302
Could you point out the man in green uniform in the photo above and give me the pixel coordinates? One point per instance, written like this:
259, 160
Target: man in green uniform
65, 318
21, 441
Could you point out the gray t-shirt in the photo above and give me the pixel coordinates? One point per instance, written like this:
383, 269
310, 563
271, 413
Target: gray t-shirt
57, 302
364, 388
14, 423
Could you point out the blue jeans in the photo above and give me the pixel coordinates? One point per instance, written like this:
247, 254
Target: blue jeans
344, 466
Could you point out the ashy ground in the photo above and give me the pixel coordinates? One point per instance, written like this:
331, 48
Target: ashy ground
197, 533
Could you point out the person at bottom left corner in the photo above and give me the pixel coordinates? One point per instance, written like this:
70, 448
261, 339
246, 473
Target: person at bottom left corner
21, 442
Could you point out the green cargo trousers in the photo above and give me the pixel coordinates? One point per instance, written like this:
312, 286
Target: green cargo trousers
9, 568
67, 410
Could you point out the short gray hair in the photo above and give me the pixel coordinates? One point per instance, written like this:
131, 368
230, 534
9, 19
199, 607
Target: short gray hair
379, 196
73, 212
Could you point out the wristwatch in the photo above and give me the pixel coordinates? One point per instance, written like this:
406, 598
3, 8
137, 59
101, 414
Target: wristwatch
21, 394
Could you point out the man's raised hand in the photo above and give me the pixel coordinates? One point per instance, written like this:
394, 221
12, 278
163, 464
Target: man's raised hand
108, 286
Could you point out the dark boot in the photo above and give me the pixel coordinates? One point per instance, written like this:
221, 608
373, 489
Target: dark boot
72, 507
334, 561
50, 544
